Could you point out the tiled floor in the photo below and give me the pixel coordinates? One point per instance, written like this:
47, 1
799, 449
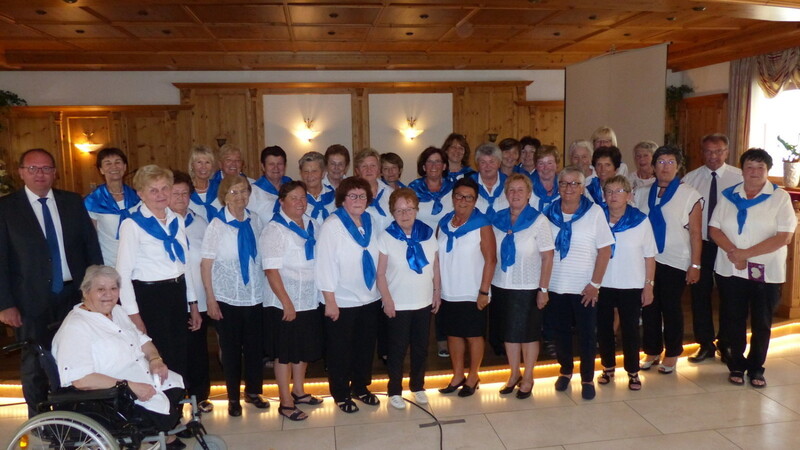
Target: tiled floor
694, 408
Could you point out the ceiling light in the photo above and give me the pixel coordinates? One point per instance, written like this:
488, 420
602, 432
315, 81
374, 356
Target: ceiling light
41, 12
672, 18
333, 15
593, 17
409, 33
80, 31
699, 8
423, 16
331, 33
70, 1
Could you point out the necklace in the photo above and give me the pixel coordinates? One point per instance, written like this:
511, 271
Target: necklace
90, 310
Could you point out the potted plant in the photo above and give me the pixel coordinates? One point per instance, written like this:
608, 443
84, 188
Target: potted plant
791, 164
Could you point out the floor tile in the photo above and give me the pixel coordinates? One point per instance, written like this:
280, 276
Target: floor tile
552, 426
219, 422
315, 438
788, 396
771, 435
711, 410
654, 385
695, 440
328, 414
488, 400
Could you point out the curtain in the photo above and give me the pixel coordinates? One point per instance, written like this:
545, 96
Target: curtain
742, 72
778, 69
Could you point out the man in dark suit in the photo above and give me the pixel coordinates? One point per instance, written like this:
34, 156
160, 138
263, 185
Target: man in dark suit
46, 241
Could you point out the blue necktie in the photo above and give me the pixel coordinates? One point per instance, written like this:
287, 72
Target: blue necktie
52, 244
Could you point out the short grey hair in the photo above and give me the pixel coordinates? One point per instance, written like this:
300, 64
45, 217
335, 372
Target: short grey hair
580, 143
311, 157
489, 149
572, 170
97, 271
650, 146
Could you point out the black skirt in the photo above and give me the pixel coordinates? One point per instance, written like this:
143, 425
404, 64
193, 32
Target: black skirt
300, 340
521, 320
272, 319
463, 319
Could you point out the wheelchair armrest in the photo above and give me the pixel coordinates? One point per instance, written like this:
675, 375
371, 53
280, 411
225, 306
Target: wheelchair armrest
73, 395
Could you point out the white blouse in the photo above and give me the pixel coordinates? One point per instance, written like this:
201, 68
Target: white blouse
338, 266
107, 228
589, 233
143, 257
282, 249
195, 232
626, 269
500, 202
425, 213
221, 245
770, 217
637, 184
201, 209
410, 290
677, 245
88, 342
379, 222
527, 268
262, 203
700, 179
462, 267
330, 207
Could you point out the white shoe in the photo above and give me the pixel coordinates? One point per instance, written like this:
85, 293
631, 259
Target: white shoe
421, 397
397, 401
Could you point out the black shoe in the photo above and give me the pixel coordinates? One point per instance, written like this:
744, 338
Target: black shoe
562, 382
234, 409
509, 389
587, 391
703, 353
450, 388
186, 434
256, 401
177, 444
724, 353
467, 390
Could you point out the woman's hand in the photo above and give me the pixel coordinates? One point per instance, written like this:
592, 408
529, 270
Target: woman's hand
157, 367
143, 391
195, 319
590, 294
647, 295
437, 302
388, 308
483, 301
542, 298
332, 311
289, 313
213, 309
692, 275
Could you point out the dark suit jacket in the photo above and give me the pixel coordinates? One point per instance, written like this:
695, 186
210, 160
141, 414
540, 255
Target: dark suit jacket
25, 266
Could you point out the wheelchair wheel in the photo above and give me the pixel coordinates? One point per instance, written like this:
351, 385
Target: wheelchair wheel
62, 430
213, 442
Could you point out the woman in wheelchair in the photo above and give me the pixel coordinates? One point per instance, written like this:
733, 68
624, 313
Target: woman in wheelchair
98, 347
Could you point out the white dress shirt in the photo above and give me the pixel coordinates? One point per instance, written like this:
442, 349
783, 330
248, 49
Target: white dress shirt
626, 268
501, 202
51, 205
195, 232
379, 222
410, 290
700, 179
527, 268
462, 267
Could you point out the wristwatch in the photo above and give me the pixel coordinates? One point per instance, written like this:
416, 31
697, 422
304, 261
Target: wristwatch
696, 266
544, 290
650, 282
594, 285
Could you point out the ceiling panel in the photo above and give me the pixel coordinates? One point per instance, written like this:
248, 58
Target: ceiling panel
10, 30
250, 31
138, 12
334, 15
330, 33
167, 31
400, 15
52, 11
80, 31
406, 33
239, 13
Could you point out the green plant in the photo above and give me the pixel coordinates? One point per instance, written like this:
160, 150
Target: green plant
8, 98
674, 96
794, 153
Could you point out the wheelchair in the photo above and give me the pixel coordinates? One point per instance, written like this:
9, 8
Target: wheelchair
96, 419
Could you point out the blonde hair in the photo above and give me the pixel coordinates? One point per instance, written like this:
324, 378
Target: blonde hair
604, 133
150, 173
518, 177
198, 151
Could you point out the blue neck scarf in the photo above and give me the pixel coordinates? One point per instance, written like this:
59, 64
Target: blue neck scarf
742, 204
319, 205
630, 219
188, 220
367, 263
464, 172
476, 220
307, 234
152, 227
425, 195
246, 241
519, 169
564, 236
502, 221
414, 253
538, 188
596, 191
376, 202
101, 201
656, 216
498, 191
399, 183
211, 195
269, 188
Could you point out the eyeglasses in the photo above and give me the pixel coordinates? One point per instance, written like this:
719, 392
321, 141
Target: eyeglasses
459, 197
572, 184
667, 162
433, 162
404, 212
356, 196
44, 169
610, 192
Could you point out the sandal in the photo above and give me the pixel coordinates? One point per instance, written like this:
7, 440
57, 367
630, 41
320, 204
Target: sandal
606, 376
736, 377
634, 383
296, 414
306, 399
347, 406
758, 381
368, 399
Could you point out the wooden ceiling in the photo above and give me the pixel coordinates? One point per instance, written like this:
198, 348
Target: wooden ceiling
402, 34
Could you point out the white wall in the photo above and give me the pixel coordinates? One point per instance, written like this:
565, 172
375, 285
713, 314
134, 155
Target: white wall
284, 115
706, 80
155, 88
387, 115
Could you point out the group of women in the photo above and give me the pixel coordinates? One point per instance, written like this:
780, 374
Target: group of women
542, 251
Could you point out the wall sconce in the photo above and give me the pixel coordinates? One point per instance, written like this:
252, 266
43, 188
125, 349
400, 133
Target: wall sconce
492, 135
410, 132
88, 146
221, 140
307, 131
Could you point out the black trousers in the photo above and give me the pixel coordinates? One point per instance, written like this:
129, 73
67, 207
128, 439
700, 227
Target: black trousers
629, 304
240, 337
758, 300
702, 311
665, 311
197, 379
568, 311
497, 325
350, 346
41, 329
408, 328
162, 306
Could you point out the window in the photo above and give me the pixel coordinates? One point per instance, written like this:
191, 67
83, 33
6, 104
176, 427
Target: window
773, 117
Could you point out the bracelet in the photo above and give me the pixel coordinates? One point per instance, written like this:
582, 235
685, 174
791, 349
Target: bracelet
154, 359
650, 282
483, 293
696, 266
544, 290
192, 303
121, 384
594, 285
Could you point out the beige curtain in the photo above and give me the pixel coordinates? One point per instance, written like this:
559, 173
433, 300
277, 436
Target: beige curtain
778, 69
742, 72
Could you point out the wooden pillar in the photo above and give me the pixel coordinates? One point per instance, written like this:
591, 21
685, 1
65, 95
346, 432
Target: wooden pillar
789, 306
